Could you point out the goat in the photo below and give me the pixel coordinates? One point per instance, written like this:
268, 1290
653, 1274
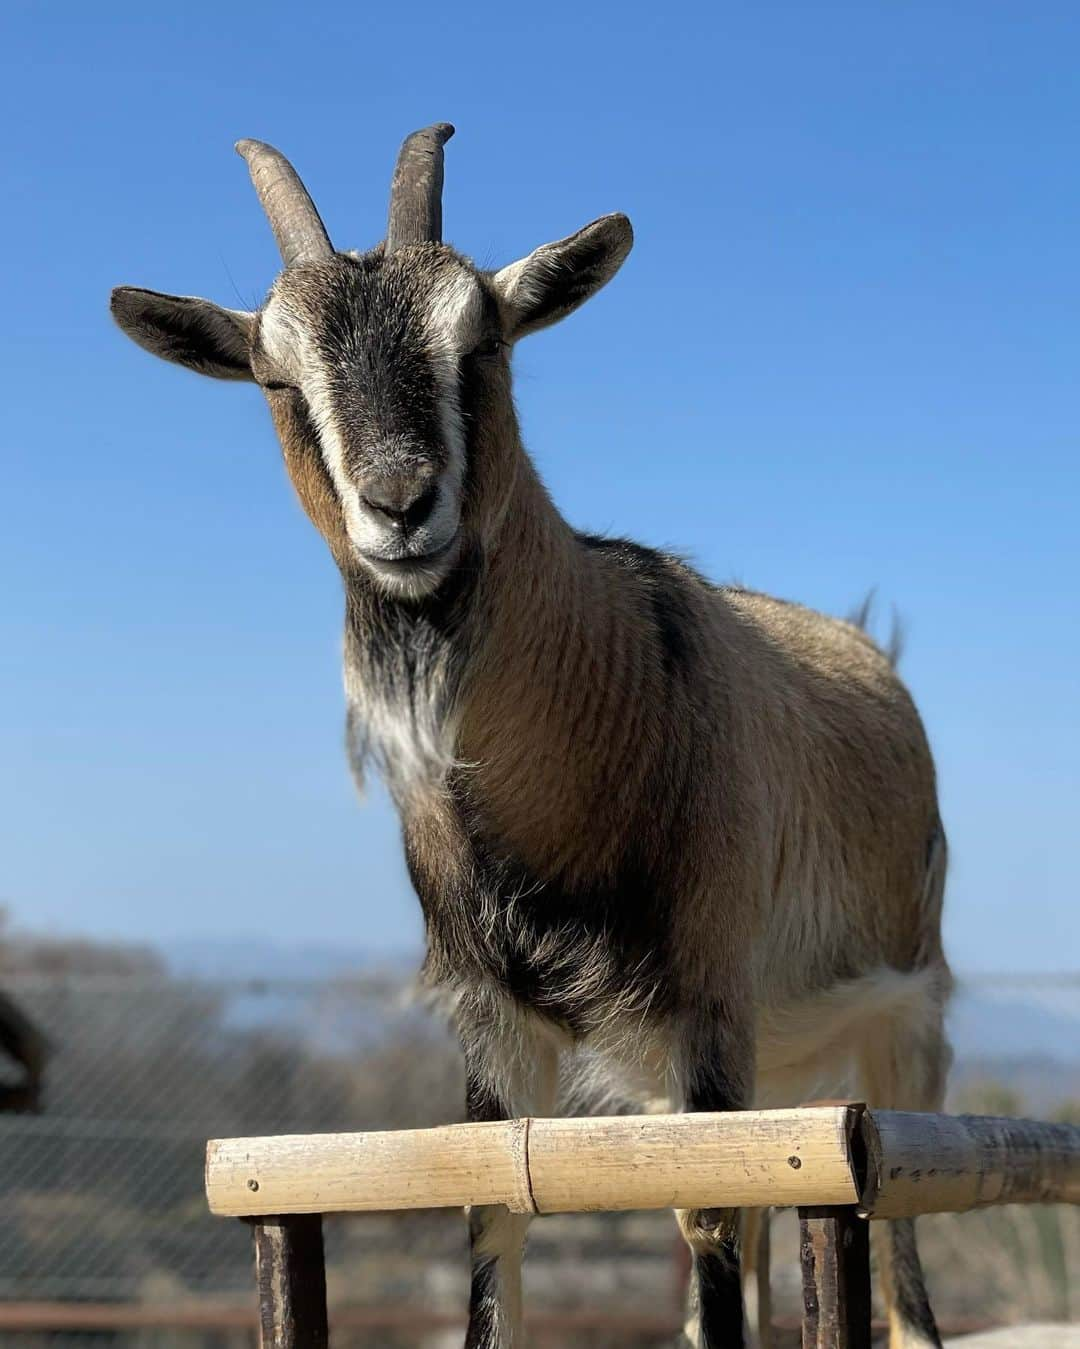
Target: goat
689, 828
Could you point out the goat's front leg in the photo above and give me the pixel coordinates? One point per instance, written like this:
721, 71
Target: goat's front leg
506, 1076
714, 1070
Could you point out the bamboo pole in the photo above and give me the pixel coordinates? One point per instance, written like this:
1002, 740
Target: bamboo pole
920, 1163
749, 1158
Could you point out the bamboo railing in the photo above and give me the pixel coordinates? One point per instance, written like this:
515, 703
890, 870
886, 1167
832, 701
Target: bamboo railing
838, 1164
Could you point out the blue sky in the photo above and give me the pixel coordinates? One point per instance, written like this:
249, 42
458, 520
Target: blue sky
843, 354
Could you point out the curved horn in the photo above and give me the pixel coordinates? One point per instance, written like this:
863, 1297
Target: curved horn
416, 192
301, 235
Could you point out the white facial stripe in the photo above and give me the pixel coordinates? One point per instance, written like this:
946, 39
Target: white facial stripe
282, 339
453, 319
454, 310
321, 406
288, 344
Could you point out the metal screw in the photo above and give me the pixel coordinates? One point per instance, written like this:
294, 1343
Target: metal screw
253, 1185
794, 1162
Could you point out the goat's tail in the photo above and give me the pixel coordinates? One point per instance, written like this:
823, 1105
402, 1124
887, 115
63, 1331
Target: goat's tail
862, 617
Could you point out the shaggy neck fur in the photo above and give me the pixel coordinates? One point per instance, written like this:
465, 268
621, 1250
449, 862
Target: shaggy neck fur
558, 696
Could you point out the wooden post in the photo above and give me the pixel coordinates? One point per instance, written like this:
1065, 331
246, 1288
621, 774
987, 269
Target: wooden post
290, 1271
834, 1251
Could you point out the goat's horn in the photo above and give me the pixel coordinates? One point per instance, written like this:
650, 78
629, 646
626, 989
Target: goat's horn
301, 235
416, 192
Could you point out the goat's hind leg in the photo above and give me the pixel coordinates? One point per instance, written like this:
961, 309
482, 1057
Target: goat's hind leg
505, 1076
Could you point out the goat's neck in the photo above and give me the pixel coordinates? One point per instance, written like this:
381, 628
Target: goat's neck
547, 710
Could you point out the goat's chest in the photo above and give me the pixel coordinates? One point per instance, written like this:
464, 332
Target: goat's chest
578, 954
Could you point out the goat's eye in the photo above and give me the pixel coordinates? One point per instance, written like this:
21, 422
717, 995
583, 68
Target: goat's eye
279, 386
488, 346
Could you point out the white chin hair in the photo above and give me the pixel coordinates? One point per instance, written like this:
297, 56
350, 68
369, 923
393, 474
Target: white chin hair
412, 582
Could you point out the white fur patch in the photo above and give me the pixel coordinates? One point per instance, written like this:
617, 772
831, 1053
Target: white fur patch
289, 345
453, 316
284, 340
410, 735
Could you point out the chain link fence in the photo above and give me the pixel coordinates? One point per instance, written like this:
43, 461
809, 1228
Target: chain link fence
104, 1209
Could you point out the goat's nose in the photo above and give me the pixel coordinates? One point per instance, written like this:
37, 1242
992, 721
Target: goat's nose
403, 503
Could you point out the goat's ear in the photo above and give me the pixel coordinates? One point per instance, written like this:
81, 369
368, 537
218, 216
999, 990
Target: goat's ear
558, 277
189, 331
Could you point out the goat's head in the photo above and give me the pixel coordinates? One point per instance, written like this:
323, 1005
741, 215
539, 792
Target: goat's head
386, 372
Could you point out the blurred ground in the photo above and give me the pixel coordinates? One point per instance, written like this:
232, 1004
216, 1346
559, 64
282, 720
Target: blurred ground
1023, 1337
102, 1192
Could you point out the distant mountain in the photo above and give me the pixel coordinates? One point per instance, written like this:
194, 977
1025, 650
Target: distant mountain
245, 958
1021, 1036
1016, 1020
